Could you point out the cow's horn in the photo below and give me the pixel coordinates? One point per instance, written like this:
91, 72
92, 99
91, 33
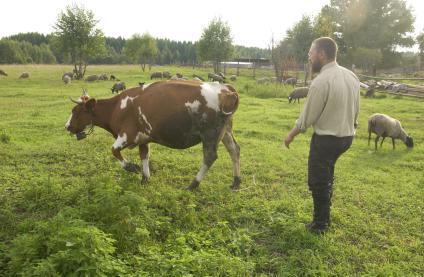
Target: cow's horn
84, 92
76, 102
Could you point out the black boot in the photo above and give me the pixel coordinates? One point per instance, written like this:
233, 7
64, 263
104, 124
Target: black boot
321, 217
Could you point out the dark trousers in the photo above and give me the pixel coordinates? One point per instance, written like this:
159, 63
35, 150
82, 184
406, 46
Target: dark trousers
323, 154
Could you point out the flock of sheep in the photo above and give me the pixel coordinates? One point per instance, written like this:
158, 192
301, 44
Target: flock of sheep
220, 77
380, 124
118, 86
24, 75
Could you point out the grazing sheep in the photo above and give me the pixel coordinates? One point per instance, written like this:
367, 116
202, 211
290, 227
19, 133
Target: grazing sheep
291, 81
112, 78
156, 75
92, 78
399, 87
66, 79
103, 77
166, 74
383, 84
385, 126
182, 78
118, 86
198, 77
3, 73
233, 78
70, 74
215, 77
298, 93
24, 75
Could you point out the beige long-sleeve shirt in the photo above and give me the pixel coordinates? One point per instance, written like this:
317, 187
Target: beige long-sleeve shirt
332, 104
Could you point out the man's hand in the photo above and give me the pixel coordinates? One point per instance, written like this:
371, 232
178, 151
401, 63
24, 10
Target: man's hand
290, 136
288, 140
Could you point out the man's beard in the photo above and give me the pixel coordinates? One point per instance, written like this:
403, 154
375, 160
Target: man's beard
316, 66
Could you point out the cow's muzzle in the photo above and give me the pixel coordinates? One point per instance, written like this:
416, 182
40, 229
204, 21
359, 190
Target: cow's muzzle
81, 135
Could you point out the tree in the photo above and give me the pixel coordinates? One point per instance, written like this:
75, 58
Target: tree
367, 58
76, 34
372, 24
10, 52
32, 37
324, 24
420, 40
141, 49
300, 37
215, 44
282, 57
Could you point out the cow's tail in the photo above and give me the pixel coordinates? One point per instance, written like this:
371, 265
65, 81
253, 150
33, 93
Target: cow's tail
229, 100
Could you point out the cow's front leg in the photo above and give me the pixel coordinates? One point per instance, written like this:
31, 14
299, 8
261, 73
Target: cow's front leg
144, 156
209, 157
120, 144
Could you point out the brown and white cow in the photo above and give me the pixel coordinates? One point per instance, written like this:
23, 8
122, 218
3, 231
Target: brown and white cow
176, 114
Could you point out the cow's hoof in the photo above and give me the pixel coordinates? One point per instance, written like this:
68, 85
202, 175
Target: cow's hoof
194, 185
236, 183
130, 167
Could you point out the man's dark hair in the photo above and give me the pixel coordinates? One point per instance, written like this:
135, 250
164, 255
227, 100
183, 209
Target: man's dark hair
328, 45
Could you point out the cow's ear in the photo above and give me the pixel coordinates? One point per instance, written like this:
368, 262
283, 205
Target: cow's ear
90, 104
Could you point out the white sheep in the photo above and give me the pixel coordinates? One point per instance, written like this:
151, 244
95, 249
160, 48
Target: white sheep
66, 79
399, 87
385, 126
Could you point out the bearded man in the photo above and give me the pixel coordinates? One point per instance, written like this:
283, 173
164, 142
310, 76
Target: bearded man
331, 108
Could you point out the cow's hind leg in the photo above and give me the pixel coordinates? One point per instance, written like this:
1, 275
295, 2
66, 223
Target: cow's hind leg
210, 154
234, 150
144, 156
119, 145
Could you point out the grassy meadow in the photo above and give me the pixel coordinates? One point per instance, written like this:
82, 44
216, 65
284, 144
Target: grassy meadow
68, 209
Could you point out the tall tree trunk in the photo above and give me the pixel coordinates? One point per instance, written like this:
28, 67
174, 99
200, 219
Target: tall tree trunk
78, 70
306, 72
83, 72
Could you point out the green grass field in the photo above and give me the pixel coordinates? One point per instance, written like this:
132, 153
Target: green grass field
68, 209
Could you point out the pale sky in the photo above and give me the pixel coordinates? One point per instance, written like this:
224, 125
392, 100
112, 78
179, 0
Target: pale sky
252, 23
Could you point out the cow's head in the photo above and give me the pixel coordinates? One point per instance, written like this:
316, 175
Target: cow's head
228, 100
81, 116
